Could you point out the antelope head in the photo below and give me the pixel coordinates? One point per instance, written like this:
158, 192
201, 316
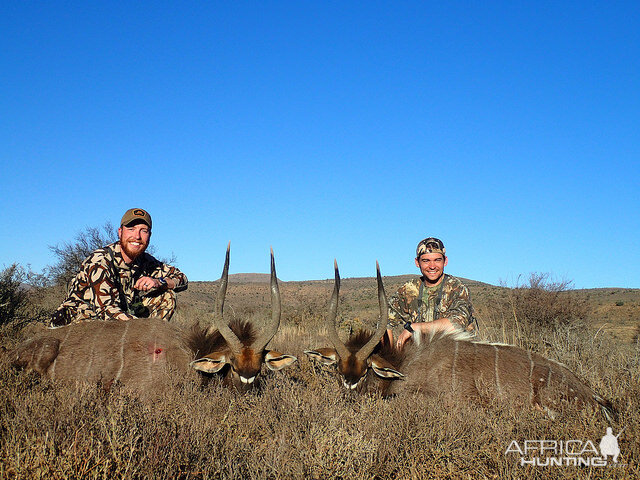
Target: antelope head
244, 359
353, 363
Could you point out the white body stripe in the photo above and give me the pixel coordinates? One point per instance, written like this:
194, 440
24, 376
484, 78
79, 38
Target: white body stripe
124, 335
495, 367
454, 365
53, 366
92, 353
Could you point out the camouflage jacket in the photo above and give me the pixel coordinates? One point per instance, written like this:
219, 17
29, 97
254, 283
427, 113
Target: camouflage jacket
454, 304
94, 292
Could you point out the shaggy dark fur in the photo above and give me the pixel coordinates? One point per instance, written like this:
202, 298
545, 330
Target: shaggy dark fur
384, 349
201, 343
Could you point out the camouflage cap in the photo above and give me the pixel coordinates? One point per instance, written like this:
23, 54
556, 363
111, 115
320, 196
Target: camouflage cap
135, 215
430, 245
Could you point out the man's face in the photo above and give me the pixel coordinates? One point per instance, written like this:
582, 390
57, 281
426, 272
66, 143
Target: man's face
134, 240
432, 265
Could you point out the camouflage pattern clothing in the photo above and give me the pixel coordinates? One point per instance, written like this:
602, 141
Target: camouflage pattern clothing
95, 293
454, 303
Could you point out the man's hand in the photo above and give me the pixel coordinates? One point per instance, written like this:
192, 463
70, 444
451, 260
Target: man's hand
440, 325
404, 337
146, 283
149, 283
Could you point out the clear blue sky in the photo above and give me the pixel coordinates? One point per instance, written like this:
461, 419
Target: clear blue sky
328, 129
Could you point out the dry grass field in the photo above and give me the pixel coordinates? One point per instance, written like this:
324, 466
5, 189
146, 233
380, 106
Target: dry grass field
302, 424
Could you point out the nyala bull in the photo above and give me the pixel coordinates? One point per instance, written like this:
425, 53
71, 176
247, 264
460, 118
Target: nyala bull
450, 364
140, 353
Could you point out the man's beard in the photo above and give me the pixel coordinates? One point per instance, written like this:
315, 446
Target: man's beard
133, 254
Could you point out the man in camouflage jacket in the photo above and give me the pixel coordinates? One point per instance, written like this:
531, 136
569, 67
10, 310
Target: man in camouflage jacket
434, 302
121, 281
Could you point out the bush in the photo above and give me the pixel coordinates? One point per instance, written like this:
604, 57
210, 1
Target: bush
543, 303
13, 293
21, 295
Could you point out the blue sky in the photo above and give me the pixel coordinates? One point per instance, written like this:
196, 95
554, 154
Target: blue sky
346, 130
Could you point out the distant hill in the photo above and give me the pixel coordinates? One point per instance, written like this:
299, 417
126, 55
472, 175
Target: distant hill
249, 278
265, 277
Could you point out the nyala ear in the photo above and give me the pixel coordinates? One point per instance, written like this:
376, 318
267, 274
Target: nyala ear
326, 356
384, 369
210, 364
278, 361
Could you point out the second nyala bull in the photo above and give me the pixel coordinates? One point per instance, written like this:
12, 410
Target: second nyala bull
139, 353
450, 363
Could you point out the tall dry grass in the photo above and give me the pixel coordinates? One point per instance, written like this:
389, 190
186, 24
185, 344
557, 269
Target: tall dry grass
302, 424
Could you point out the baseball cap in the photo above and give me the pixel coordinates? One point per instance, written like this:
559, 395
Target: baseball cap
135, 215
430, 245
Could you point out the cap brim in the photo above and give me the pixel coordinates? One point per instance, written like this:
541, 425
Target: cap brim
136, 221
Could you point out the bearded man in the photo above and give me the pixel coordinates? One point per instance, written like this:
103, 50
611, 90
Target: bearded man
120, 281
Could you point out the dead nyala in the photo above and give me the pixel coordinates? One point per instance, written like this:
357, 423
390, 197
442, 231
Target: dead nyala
139, 353
450, 364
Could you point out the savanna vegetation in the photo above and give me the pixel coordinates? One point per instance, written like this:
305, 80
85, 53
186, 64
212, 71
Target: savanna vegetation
301, 423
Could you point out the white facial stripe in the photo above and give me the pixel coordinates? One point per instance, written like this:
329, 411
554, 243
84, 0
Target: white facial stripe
352, 386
